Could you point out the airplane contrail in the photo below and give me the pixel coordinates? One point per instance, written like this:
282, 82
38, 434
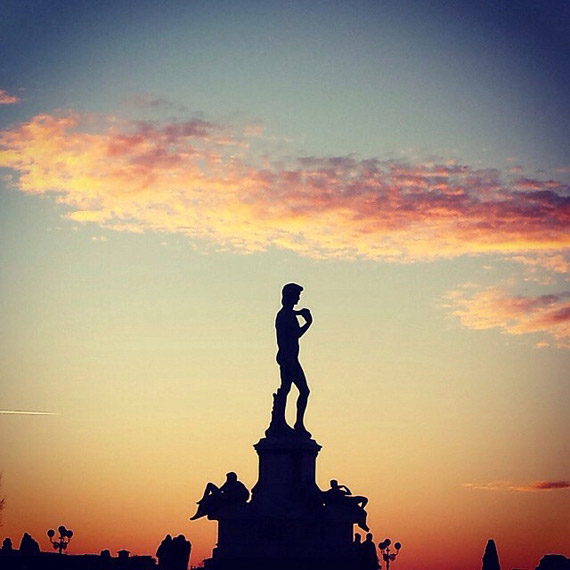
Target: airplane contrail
29, 413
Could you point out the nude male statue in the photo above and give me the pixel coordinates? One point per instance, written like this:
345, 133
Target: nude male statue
289, 331
232, 492
341, 496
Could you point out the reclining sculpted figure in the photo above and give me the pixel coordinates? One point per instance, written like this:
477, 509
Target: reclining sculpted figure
232, 492
341, 496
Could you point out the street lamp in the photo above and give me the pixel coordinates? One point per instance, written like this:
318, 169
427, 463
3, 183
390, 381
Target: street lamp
388, 556
64, 538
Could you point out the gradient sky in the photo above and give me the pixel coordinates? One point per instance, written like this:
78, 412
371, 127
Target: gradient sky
167, 166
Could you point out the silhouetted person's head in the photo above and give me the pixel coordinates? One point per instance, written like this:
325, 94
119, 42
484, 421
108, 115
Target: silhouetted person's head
357, 538
369, 537
231, 476
290, 294
334, 483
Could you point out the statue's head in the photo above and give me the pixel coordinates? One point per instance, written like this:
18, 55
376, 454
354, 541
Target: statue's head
290, 294
231, 476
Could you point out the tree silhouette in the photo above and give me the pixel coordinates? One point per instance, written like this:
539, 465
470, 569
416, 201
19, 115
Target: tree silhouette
490, 557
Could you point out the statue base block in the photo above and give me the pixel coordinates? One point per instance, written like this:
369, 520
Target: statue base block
285, 525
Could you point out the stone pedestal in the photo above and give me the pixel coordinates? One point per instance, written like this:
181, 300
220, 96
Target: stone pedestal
286, 481
285, 525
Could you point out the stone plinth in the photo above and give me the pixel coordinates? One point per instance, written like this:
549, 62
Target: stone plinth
286, 484
285, 525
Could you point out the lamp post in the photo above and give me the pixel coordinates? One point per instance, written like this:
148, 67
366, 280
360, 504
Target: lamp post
63, 540
388, 556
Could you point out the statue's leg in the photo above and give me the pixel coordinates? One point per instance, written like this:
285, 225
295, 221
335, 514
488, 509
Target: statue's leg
301, 383
211, 488
360, 501
206, 503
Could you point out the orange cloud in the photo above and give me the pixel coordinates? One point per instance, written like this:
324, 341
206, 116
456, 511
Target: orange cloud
206, 181
6, 99
534, 487
494, 307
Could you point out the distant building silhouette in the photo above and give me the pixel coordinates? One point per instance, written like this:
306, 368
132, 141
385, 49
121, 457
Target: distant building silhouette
30, 558
554, 562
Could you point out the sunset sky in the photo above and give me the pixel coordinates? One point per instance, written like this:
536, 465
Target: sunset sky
166, 166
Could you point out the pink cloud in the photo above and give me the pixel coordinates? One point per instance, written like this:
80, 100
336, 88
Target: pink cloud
205, 180
534, 487
494, 307
7, 99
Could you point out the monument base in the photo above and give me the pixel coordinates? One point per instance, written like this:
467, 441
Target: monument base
286, 524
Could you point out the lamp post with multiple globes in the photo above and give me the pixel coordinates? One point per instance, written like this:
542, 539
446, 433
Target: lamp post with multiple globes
63, 539
388, 556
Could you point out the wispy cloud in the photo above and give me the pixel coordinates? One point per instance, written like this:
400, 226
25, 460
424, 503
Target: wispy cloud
534, 487
494, 307
7, 99
153, 103
205, 181
28, 413
536, 264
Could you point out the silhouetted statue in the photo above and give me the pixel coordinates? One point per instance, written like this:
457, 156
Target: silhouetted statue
490, 557
28, 545
369, 553
341, 496
232, 492
289, 331
7, 546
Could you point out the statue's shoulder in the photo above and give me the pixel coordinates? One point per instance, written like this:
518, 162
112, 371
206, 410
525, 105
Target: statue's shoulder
282, 316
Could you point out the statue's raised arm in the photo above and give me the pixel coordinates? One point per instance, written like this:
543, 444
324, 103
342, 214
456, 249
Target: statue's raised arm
289, 331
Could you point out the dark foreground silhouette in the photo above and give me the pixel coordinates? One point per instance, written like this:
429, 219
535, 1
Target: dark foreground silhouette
172, 554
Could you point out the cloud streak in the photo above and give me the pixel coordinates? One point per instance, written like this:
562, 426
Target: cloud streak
494, 307
28, 413
7, 99
509, 486
208, 181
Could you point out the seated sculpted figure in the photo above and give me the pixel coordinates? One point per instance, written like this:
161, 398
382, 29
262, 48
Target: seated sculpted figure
232, 492
342, 497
